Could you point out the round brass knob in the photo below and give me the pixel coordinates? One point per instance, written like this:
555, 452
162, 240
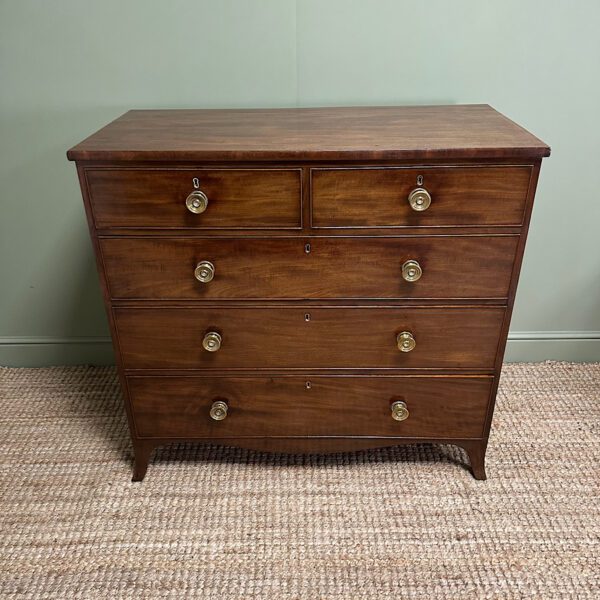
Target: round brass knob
406, 341
419, 199
204, 271
218, 410
411, 270
197, 202
212, 341
400, 411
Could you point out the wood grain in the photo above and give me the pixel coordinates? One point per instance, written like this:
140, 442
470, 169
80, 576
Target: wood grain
155, 198
263, 268
352, 133
309, 406
378, 197
288, 315
335, 337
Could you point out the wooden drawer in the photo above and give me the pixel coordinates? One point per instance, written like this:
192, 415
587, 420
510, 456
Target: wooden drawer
156, 198
438, 407
378, 197
452, 267
309, 338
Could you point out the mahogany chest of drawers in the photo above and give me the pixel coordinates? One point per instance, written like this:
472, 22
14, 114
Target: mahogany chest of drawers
309, 280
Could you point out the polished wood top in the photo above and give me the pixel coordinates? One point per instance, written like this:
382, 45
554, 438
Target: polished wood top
309, 134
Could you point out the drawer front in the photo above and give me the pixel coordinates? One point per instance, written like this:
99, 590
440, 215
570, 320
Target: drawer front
378, 197
156, 198
452, 267
315, 338
438, 407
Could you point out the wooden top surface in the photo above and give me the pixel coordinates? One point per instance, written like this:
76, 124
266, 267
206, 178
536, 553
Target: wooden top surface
308, 134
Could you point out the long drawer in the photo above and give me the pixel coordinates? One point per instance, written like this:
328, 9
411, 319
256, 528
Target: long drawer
319, 338
434, 407
235, 198
379, 197
319, 267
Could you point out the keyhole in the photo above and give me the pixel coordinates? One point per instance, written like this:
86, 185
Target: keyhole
419, 179
307, 248
307, 317
196, 182
307, 385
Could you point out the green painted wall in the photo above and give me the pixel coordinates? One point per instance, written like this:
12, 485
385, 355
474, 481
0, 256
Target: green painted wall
67, 67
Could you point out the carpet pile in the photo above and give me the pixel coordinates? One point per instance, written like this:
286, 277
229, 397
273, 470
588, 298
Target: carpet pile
211, 522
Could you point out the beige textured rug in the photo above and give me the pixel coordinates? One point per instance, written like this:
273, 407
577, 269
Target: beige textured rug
226, 523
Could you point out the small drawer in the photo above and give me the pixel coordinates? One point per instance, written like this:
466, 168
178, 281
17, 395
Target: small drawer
437, 267
195, 198
450, 196
388, 406
267, 337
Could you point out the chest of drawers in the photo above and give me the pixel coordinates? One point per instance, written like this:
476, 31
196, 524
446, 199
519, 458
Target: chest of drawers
309, 280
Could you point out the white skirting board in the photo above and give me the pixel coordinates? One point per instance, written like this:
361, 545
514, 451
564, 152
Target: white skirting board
523, 346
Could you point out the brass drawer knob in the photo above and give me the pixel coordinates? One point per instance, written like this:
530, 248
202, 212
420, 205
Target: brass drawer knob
411, 270
204, 271
218, 410
212, 341
419, 199
197, 202
406, 341
400, 411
